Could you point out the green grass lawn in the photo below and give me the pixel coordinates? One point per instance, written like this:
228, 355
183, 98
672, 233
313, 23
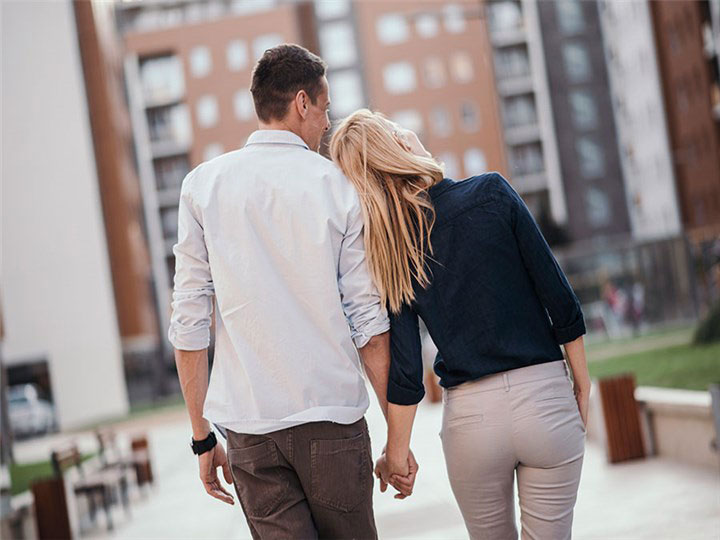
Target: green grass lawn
685, 366
23, 474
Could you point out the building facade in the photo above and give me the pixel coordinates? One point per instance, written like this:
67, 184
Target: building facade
642, 132
687, 48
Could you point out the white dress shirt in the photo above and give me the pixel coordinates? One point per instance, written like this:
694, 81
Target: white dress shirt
274, 232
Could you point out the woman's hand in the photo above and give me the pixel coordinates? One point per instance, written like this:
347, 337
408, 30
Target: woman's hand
582, 396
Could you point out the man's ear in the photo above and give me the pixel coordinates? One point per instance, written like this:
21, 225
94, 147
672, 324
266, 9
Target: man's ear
302, 103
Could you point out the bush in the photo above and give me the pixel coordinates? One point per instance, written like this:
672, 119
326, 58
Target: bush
709, 329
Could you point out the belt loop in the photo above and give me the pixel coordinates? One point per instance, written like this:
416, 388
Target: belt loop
506, 380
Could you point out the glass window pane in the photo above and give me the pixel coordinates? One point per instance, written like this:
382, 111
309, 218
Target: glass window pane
169, 218
265, 42
170, 171
504, 16
392, 28
243, 105
598, 208
434, 72
590, 157
469, 116
512, 62
450, 164
170, 124
330, 9
527, 159
454, 19
346, 93
427, 25
410, 119
577, 62
399, 78
583, 109
519, 110
570, 16
237, 55
212, 150
474, 161
162, 79
338, 44
206, 111
461, 67
440, 121
200, 61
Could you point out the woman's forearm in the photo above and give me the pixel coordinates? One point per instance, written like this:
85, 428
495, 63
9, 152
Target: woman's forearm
400, 422
575, 353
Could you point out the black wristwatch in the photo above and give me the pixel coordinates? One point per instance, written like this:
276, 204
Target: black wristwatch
207, 444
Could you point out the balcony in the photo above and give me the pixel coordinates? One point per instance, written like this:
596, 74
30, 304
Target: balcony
522, 133
515, 85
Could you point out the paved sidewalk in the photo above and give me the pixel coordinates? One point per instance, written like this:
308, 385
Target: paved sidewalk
647, 499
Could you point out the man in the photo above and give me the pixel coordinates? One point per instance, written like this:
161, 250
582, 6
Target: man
272, 235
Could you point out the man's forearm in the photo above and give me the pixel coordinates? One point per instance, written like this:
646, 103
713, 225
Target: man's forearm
375, 356
192, 368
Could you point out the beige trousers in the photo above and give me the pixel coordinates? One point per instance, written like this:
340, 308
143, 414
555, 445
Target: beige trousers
526, 422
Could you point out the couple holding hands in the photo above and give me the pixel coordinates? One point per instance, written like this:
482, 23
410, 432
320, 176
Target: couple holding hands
318, 272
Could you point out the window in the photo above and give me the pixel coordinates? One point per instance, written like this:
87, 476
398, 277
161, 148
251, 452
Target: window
583, 110
519, 110
244, 7
590, 158
200, 62
504, 16
392, 28
450, 164
237, 55
331, 9
409, 119
170, 171
212, 150
512, 62
346, 93
434, 72
338, 44
527, 159
243, 105
399, 78
569, 16
440, 121
161, 79
265, 42
206, 111
461, 67
597, 207
169, 218
474, 161
469, 116
170, 124
454, 19
577, 62
426, 25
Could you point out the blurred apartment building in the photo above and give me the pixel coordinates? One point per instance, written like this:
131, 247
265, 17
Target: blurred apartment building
188, 67
76, 289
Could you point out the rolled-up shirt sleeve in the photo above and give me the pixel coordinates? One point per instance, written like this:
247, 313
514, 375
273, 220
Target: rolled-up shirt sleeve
405, 382
549, 281
193, 289
360, 298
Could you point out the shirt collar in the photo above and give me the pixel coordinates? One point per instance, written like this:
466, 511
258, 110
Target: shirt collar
275, 136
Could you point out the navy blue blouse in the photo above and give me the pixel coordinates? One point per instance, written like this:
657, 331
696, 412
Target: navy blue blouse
497, 300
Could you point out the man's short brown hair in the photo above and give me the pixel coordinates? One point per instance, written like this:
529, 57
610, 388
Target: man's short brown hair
280, 74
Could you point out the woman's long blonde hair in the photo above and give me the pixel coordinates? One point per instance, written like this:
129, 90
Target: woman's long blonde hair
392, 183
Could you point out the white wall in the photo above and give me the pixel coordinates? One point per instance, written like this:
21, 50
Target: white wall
56, 283
640, 119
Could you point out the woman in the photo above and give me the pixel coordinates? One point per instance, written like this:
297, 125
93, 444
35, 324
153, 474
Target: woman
469, 260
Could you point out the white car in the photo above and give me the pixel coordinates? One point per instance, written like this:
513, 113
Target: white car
29, 414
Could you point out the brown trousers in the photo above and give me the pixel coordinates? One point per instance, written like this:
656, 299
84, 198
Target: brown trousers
314, 480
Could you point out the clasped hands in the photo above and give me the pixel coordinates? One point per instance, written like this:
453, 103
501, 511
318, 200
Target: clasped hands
398, 472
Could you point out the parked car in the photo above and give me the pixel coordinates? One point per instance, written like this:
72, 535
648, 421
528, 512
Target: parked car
29, 413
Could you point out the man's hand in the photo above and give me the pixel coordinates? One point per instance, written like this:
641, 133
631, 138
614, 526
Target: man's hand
209, 462
400, 475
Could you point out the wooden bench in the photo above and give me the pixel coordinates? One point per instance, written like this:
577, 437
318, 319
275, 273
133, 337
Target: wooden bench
622, 421
95, 486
